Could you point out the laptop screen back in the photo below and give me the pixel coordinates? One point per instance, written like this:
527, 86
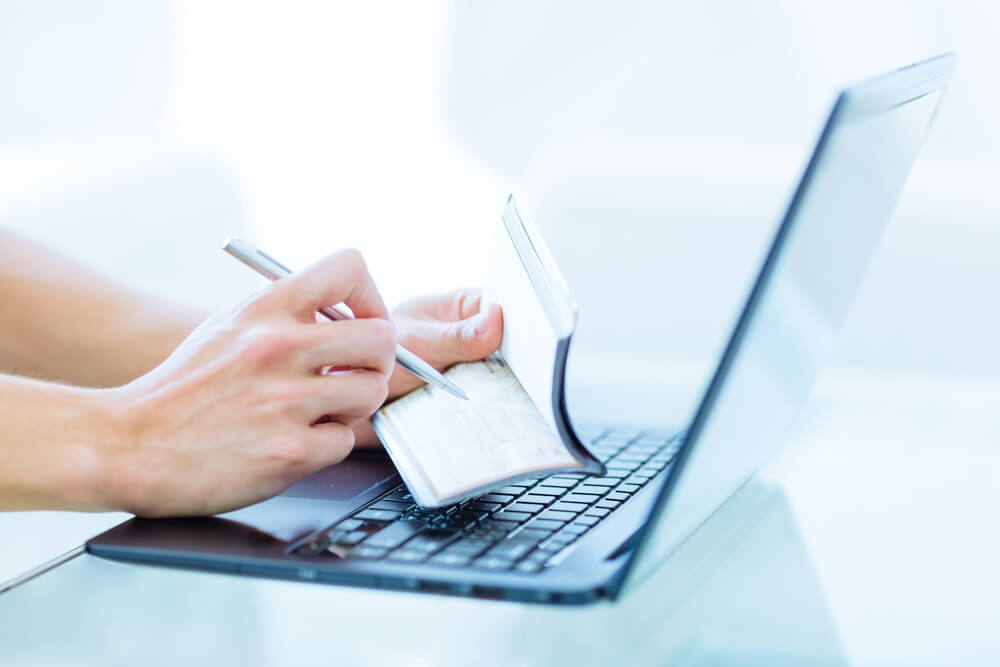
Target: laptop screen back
809, 278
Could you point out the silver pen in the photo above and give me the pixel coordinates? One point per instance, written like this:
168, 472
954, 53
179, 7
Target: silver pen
267, 266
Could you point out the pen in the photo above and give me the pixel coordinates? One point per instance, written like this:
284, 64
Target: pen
271, 268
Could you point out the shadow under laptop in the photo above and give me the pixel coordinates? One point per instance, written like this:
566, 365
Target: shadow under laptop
742, 588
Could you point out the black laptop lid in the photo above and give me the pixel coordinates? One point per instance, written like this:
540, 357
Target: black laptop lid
802, 294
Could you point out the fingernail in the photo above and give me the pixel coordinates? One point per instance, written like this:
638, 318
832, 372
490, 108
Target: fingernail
475, 325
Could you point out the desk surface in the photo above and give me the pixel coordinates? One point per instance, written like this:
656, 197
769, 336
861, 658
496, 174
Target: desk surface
870, 540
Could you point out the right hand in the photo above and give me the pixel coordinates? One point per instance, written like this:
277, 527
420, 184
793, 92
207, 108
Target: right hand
240, 411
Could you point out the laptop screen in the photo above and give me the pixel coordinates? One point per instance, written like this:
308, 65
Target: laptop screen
818, 259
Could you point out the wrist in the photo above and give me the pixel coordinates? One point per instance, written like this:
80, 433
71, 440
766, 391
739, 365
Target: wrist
97, 457
116, 473
57, 443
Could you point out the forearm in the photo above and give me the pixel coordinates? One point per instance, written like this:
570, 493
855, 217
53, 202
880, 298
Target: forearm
60, 320
52, 443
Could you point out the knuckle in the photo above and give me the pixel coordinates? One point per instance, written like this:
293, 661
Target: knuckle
383, 337
292, 449
341, 442
354, 261
266, 343
254, 305
375, 391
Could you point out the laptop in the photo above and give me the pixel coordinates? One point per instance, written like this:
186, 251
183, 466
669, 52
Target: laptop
569, 538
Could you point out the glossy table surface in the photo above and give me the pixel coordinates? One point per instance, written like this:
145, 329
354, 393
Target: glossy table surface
871, 539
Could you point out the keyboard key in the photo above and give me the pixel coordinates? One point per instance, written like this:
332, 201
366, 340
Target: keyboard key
575, 508
556, 543
485, 506
352, 538
503, 499
619, 496
408, 556
463, 521
618, 464
598, 512
601, 481
530, 565
473, 514
569, 475
530, 508
617, 473
546, 524
506, 515
608, 505
470, 546
557, 481
493, 563
349, 524
501, 526
562, 538
534, 534
395, 534
377, 515
554, 491
575, 529
586, 520
431, 542
592, 489
585, 498
451, 559
365, 551
628, 488
636, 457
556, 515
395, 505
639, 448
517, 546
536, 499
488, 532
512, 490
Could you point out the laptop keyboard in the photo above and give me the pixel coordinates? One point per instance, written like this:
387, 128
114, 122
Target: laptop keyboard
521, 527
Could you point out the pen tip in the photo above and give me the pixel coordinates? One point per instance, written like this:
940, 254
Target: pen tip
455, 391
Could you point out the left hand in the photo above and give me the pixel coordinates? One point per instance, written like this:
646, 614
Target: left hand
442, 330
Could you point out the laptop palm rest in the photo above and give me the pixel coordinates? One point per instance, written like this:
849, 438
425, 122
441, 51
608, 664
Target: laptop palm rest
320, 499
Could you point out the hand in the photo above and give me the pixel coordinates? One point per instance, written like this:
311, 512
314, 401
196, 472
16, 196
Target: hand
240, 411
442, 330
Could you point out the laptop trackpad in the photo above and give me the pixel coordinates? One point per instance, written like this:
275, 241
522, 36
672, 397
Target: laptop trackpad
320, 499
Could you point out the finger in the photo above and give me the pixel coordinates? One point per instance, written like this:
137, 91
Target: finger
338, 278
450, 307
364, 434
327, 444
473, 337
344, 397
445, 343
367, 344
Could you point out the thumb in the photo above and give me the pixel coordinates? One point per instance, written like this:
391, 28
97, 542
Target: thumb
474, 337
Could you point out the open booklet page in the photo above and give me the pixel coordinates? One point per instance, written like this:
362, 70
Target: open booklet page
456, 447
447, 449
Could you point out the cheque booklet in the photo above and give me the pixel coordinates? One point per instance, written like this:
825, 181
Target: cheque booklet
514, 425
